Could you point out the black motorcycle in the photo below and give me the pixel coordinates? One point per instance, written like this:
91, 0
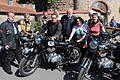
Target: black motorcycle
100, 56
48, 54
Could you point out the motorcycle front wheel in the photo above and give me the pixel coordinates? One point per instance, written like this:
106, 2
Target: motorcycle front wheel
28, 65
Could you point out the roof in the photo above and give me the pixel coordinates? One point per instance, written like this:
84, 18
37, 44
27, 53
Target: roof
15, 9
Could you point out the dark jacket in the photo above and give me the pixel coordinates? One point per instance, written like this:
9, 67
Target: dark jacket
64, 22
53, 29
7, 34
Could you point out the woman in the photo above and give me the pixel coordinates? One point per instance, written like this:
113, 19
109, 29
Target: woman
25, 24
95, 26
79, 29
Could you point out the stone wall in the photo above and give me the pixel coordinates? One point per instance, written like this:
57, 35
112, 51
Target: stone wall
113, 6
17, 17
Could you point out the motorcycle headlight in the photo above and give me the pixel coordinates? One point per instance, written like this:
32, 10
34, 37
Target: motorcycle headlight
93, 44
51, 43
38, 40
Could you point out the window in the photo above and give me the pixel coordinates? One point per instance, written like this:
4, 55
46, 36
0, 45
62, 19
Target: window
10, 2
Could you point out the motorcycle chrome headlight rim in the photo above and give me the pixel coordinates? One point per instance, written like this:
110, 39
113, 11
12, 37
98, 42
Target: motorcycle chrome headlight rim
93, 44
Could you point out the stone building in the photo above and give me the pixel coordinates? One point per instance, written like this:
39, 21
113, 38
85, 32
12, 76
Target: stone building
105, 8
18, 9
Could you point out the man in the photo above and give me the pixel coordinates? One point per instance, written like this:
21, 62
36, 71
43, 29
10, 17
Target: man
113, 23
67, 22
45, 18
9, 37
53, 27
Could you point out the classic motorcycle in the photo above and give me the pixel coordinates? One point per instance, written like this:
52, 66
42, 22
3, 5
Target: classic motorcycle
48, 54
100, 55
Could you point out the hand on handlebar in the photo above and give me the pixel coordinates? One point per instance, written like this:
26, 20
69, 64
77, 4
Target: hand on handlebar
67, 40
7, 47
53, 37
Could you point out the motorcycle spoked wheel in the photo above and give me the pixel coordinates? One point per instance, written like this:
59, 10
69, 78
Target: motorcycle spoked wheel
75, 55
26, 66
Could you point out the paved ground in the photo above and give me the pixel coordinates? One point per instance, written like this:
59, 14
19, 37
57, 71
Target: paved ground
42, 74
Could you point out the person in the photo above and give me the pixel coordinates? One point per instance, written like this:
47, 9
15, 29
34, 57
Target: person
67, 22
9, 38
25, 24
80, 30
113, 23
45, 18
53, 27
95, 26
57, 13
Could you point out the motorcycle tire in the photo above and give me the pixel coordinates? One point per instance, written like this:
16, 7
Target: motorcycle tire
26, 68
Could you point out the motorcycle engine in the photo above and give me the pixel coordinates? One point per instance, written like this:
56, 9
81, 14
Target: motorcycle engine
54, 57
105, 63
51, 49
115, 39
104, 46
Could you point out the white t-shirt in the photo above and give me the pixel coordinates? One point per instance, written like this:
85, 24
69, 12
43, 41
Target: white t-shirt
79, 30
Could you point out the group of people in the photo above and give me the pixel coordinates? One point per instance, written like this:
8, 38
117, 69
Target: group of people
70, 27
67, 28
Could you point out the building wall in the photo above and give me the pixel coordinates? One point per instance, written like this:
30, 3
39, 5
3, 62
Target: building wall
113, 6
17, 17
84, 5
3, 15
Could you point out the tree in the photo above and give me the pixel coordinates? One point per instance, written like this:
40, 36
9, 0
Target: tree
119, 9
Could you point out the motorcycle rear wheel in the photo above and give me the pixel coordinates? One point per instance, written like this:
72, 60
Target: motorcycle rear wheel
26, 66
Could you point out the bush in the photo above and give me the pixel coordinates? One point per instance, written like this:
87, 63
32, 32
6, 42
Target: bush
36, 25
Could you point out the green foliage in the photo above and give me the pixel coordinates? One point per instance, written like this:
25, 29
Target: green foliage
36, 25
119, 9
53, 1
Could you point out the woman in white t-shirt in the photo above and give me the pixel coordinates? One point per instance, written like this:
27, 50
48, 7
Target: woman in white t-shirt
80, 29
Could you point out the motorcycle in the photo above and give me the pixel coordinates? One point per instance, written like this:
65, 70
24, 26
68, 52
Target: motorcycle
48, 54
100, 55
